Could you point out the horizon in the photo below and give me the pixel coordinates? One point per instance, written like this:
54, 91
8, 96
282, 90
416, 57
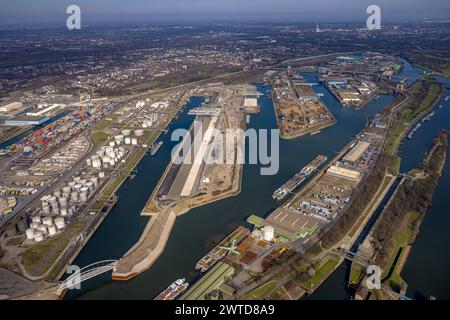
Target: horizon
28, 13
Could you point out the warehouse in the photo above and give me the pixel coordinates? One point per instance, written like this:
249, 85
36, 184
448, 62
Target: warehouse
356, 152
344, 173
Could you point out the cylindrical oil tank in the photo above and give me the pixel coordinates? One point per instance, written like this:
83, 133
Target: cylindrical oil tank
74, 196
47, 221
63, 212
90, 186
52, 230
43, 229
127, 140
133, 142
63, 202
67, 189
38, 236
60, 223
83, 196
29, 233
36, 219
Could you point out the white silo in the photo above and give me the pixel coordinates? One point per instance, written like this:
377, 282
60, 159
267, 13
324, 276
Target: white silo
112, 144
43, 229
63, 212
74, 196
29, 233
60, 224
63, 202
127, 140
47, 221
268, 233
36, 219
52, 230
101, 174
38, 236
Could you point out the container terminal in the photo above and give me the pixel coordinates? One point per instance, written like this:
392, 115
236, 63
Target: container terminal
290, 185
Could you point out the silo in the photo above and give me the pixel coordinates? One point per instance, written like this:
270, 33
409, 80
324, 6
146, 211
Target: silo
55, 211
67, 189
133, 142
43, 229
38, 236
29, 233
90, 186
51, 230
101, 175
77, 187
36, 219
127, 140
268, 233
60, 224
74, 196
63, 212
47, 221
63, 202
46, 209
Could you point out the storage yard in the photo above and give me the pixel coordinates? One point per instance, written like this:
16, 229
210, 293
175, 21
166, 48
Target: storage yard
299, 110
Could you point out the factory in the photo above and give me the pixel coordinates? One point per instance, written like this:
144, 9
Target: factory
26, 121
11, 107
344, 173
356, 152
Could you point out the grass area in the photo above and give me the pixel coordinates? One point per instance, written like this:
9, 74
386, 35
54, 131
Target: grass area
401, 239
41, 256
394, 168
446, 71
322, 272
261, 292
99, 138
356, 273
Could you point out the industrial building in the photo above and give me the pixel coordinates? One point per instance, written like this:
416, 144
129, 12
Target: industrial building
26, 121
344, 173
356, 152
10, 107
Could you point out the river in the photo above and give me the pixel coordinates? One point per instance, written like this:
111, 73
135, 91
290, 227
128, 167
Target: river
199, 230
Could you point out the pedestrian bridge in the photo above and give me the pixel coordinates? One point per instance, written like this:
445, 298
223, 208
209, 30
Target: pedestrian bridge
86, 273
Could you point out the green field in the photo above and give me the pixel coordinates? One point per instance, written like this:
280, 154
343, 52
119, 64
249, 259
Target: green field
321, 273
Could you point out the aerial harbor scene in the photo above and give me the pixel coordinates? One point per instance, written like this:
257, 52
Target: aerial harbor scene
233, 156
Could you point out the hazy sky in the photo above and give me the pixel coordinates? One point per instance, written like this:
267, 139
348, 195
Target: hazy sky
157, 11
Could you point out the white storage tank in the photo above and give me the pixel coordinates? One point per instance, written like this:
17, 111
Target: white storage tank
67, 189
63, 212
63, 202
43, 229
60, 223
29, 233
139, 133
74, 196
268, 233
127, 140
36, 219
112, 144
47, 221
101, 175
38, 236
133, 142
52, 230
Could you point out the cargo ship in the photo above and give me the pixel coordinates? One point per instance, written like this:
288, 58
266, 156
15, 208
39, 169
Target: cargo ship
155, 148
410, 135
174, 290
290, 185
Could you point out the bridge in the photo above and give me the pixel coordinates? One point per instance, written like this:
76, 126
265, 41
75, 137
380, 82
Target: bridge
86, 273
352, 256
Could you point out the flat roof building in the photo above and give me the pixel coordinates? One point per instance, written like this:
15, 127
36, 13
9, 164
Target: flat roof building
356, 152
344, 173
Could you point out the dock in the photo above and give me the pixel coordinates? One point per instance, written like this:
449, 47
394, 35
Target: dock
218, 252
